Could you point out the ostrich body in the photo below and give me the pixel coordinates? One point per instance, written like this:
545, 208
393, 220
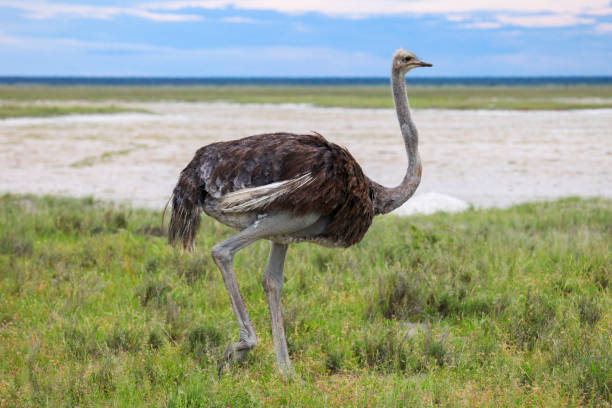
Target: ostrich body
287, 188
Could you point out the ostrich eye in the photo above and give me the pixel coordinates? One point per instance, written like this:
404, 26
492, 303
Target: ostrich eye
407, 59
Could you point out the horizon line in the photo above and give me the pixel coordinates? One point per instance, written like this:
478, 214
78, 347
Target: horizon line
189, 77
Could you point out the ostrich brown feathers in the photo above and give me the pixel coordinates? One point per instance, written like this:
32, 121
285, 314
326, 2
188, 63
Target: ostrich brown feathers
332, 182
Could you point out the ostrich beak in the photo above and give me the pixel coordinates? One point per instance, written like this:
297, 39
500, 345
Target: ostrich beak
424, 64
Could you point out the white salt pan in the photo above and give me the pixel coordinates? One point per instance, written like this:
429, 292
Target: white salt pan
429, 203
484, 158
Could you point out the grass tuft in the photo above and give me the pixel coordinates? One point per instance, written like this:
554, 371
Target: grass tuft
385, 349
156, 339
399, 297
534, 321
154, 293
589, 311
203, 340
18, 247
334, 361
124, 340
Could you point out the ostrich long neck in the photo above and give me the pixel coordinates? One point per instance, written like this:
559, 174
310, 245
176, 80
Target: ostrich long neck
387, 199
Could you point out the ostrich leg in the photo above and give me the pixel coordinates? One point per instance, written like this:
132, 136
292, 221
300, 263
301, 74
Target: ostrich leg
273, 283
223, 255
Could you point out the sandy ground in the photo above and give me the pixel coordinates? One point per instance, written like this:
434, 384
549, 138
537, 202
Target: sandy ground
484, 158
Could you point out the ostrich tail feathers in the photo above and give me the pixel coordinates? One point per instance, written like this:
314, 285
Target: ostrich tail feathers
186, 209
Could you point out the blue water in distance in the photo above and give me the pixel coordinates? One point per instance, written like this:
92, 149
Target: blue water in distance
331, 81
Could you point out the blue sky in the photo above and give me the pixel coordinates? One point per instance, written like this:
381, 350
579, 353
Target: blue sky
304, 37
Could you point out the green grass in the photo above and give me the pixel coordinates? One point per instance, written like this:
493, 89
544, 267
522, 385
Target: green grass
449, 97
18, 111
106, 156
501, 307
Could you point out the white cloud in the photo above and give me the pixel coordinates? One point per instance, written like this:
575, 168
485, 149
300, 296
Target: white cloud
456, 18
604, 28
387, 7
551, 20
482, 25
44, 10
522, 13
467, 13
238, 19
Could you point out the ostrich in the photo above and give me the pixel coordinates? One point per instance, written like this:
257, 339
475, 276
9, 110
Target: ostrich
286, 188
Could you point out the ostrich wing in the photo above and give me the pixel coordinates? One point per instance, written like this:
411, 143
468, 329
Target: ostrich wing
300, 174
255, 198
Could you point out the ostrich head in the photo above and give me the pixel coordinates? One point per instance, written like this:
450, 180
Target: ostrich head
404, 61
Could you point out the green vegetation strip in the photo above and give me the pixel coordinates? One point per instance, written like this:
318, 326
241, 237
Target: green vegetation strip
447, 97
17, 111
507, 307
106, 156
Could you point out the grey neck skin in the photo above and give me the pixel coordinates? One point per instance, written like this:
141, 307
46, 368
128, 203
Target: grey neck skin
388, 199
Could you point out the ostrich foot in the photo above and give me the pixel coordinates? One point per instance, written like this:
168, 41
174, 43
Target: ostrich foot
286, 372
234, 352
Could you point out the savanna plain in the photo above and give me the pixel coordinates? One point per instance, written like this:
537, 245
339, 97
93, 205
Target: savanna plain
487, 307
